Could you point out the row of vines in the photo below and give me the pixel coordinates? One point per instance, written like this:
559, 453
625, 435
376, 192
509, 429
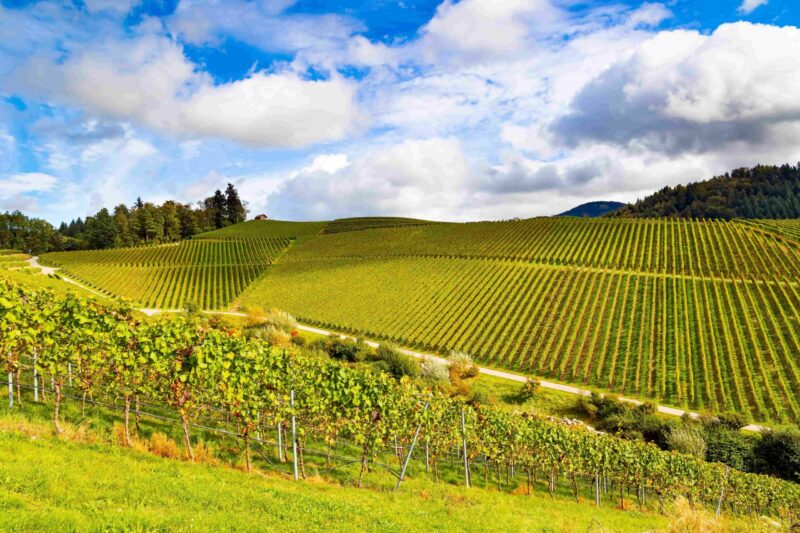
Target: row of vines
197, 370
209, 273
700, 343
729, 250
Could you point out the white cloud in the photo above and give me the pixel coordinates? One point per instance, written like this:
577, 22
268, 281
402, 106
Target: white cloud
415, 177
748, 6
26, 182
481, 29
683, 91
115, 6
150, 81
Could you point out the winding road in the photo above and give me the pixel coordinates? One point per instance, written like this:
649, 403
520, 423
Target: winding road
569, 389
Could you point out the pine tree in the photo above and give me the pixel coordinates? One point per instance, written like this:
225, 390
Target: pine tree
235, 209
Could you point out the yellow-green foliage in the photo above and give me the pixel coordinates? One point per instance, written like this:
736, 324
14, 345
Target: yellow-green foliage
210, 273
266, 229
698, 314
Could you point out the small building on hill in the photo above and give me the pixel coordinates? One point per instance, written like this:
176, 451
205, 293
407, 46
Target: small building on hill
262, 217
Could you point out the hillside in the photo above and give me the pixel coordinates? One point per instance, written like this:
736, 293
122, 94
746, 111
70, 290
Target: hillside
592, 209
128, 490
266, 229
700, 315
341, 225
760, 192
695, 314
209, 273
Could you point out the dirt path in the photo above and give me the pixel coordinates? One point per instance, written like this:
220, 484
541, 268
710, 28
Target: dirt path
569, 389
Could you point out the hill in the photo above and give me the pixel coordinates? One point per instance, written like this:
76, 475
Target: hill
695, 314
266, 229
356, 224
760, 192
592, 209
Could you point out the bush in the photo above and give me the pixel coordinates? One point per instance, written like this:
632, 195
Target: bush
344, 349
778, 454
399, 364
191, 308
478, 397
434, 372
688, 439
461, 364
529, 389
728, 446
733, 421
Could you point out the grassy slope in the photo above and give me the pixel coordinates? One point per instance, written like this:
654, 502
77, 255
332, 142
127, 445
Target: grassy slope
341, 225
47, 484
266, 229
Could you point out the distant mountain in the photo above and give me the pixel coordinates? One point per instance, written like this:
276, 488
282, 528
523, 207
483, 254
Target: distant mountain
759, 192
592, 209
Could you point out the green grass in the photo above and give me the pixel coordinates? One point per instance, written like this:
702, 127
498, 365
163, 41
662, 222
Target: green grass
267, 229
51, 484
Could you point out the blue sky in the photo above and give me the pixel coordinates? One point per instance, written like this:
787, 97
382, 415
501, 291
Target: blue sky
464, 110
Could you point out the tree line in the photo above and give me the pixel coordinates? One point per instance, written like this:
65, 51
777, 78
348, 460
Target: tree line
760, 192
140, 224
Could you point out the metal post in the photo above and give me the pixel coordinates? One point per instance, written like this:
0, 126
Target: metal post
464, 436
722, 491
69, 370
597, 488
294, 438
411, 449
427, 456
280, 443
35, 378
10, 390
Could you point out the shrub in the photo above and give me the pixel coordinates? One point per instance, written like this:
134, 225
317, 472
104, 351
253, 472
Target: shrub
434, 372
728, 446
191, 308
688, 439
399, 364
733, 421
344, 349
478, 397
778, 454
462, 365
529, 389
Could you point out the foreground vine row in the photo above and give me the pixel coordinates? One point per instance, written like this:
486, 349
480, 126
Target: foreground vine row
196, 369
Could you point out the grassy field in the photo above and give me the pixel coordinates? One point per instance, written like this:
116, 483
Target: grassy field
45, 486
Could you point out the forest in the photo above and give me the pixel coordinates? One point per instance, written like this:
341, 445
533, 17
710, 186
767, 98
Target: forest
759, 192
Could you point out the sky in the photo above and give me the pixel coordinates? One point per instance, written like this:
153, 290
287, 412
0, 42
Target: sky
446, 110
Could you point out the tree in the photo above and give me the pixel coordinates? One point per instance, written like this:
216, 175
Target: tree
219, 207
101, 230
235, 209
778, 454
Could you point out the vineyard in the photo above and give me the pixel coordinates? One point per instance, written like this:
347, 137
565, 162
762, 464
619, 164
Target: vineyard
696, 314
210, 273
785, 228
267, 229
73, 347
342, 225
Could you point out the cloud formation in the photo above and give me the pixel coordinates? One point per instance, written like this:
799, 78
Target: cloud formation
748, 6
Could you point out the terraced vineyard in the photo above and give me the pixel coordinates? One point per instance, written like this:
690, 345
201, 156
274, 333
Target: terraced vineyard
341, 225
210, 273
267, 229
696, 314
785, 228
